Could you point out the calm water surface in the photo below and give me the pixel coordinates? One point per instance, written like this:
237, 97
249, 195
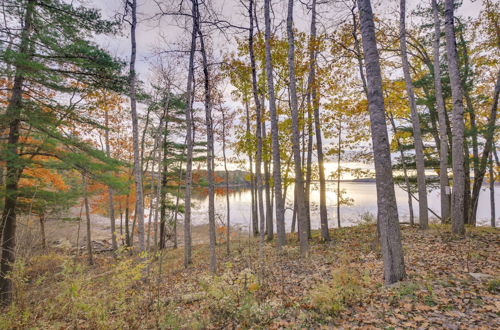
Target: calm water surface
364, 200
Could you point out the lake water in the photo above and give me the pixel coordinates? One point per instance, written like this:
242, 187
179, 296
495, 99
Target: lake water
363, 195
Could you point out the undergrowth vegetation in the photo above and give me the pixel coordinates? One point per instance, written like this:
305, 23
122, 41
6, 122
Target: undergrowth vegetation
340, 285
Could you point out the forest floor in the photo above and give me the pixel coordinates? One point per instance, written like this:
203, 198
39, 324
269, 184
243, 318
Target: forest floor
451, 283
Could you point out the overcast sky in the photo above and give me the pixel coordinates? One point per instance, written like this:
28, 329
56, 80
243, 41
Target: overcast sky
165, 33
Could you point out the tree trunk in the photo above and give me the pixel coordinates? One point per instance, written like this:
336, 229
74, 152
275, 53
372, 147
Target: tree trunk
90, 258
444, 181
294, 214
210, 150
457, 150
492, 193
467, 191
120, 211
325, 235
339, 172
177, 199
255, 220
164, 179
307, 185
488, 146
267, 185
299, 179
135, 128
278, 194
127, 219
13, 168
390, 236
417, 134
158, 196
228, 210
42, 231
258, 111
405, 171
114, 245
153, 186
134, 222
189, 138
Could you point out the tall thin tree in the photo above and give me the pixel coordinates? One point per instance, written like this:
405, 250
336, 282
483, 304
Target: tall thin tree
90, 257
114, 244
278, 194
388, 222
258, 133
323, 214
415, 120
444, 181
299, 177
457, 129
189, 136
210, 145
139, 211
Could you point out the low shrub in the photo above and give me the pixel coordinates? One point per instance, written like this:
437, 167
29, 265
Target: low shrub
345, 289
232, 298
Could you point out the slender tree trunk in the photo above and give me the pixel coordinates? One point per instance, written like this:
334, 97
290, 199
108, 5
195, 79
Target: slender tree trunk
467, 191
121, 219
164, 178
278, 194
127, 219
325, 235
13, 168
189, 138
267, 185
153, 187
405, 170
492, 193
90, 257
157, 197
258, 111
390, 236
339, 172
121, 227
457, 150
299, 179
210, 151
228, 210
469, 205
42, 231
307, 186
132, 229
135, 128
417, 134
444, 181
305, 150
488, 146
177, 199
255, 220
114, 244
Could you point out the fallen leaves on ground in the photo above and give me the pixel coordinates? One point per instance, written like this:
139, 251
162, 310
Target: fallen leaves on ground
275, 291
